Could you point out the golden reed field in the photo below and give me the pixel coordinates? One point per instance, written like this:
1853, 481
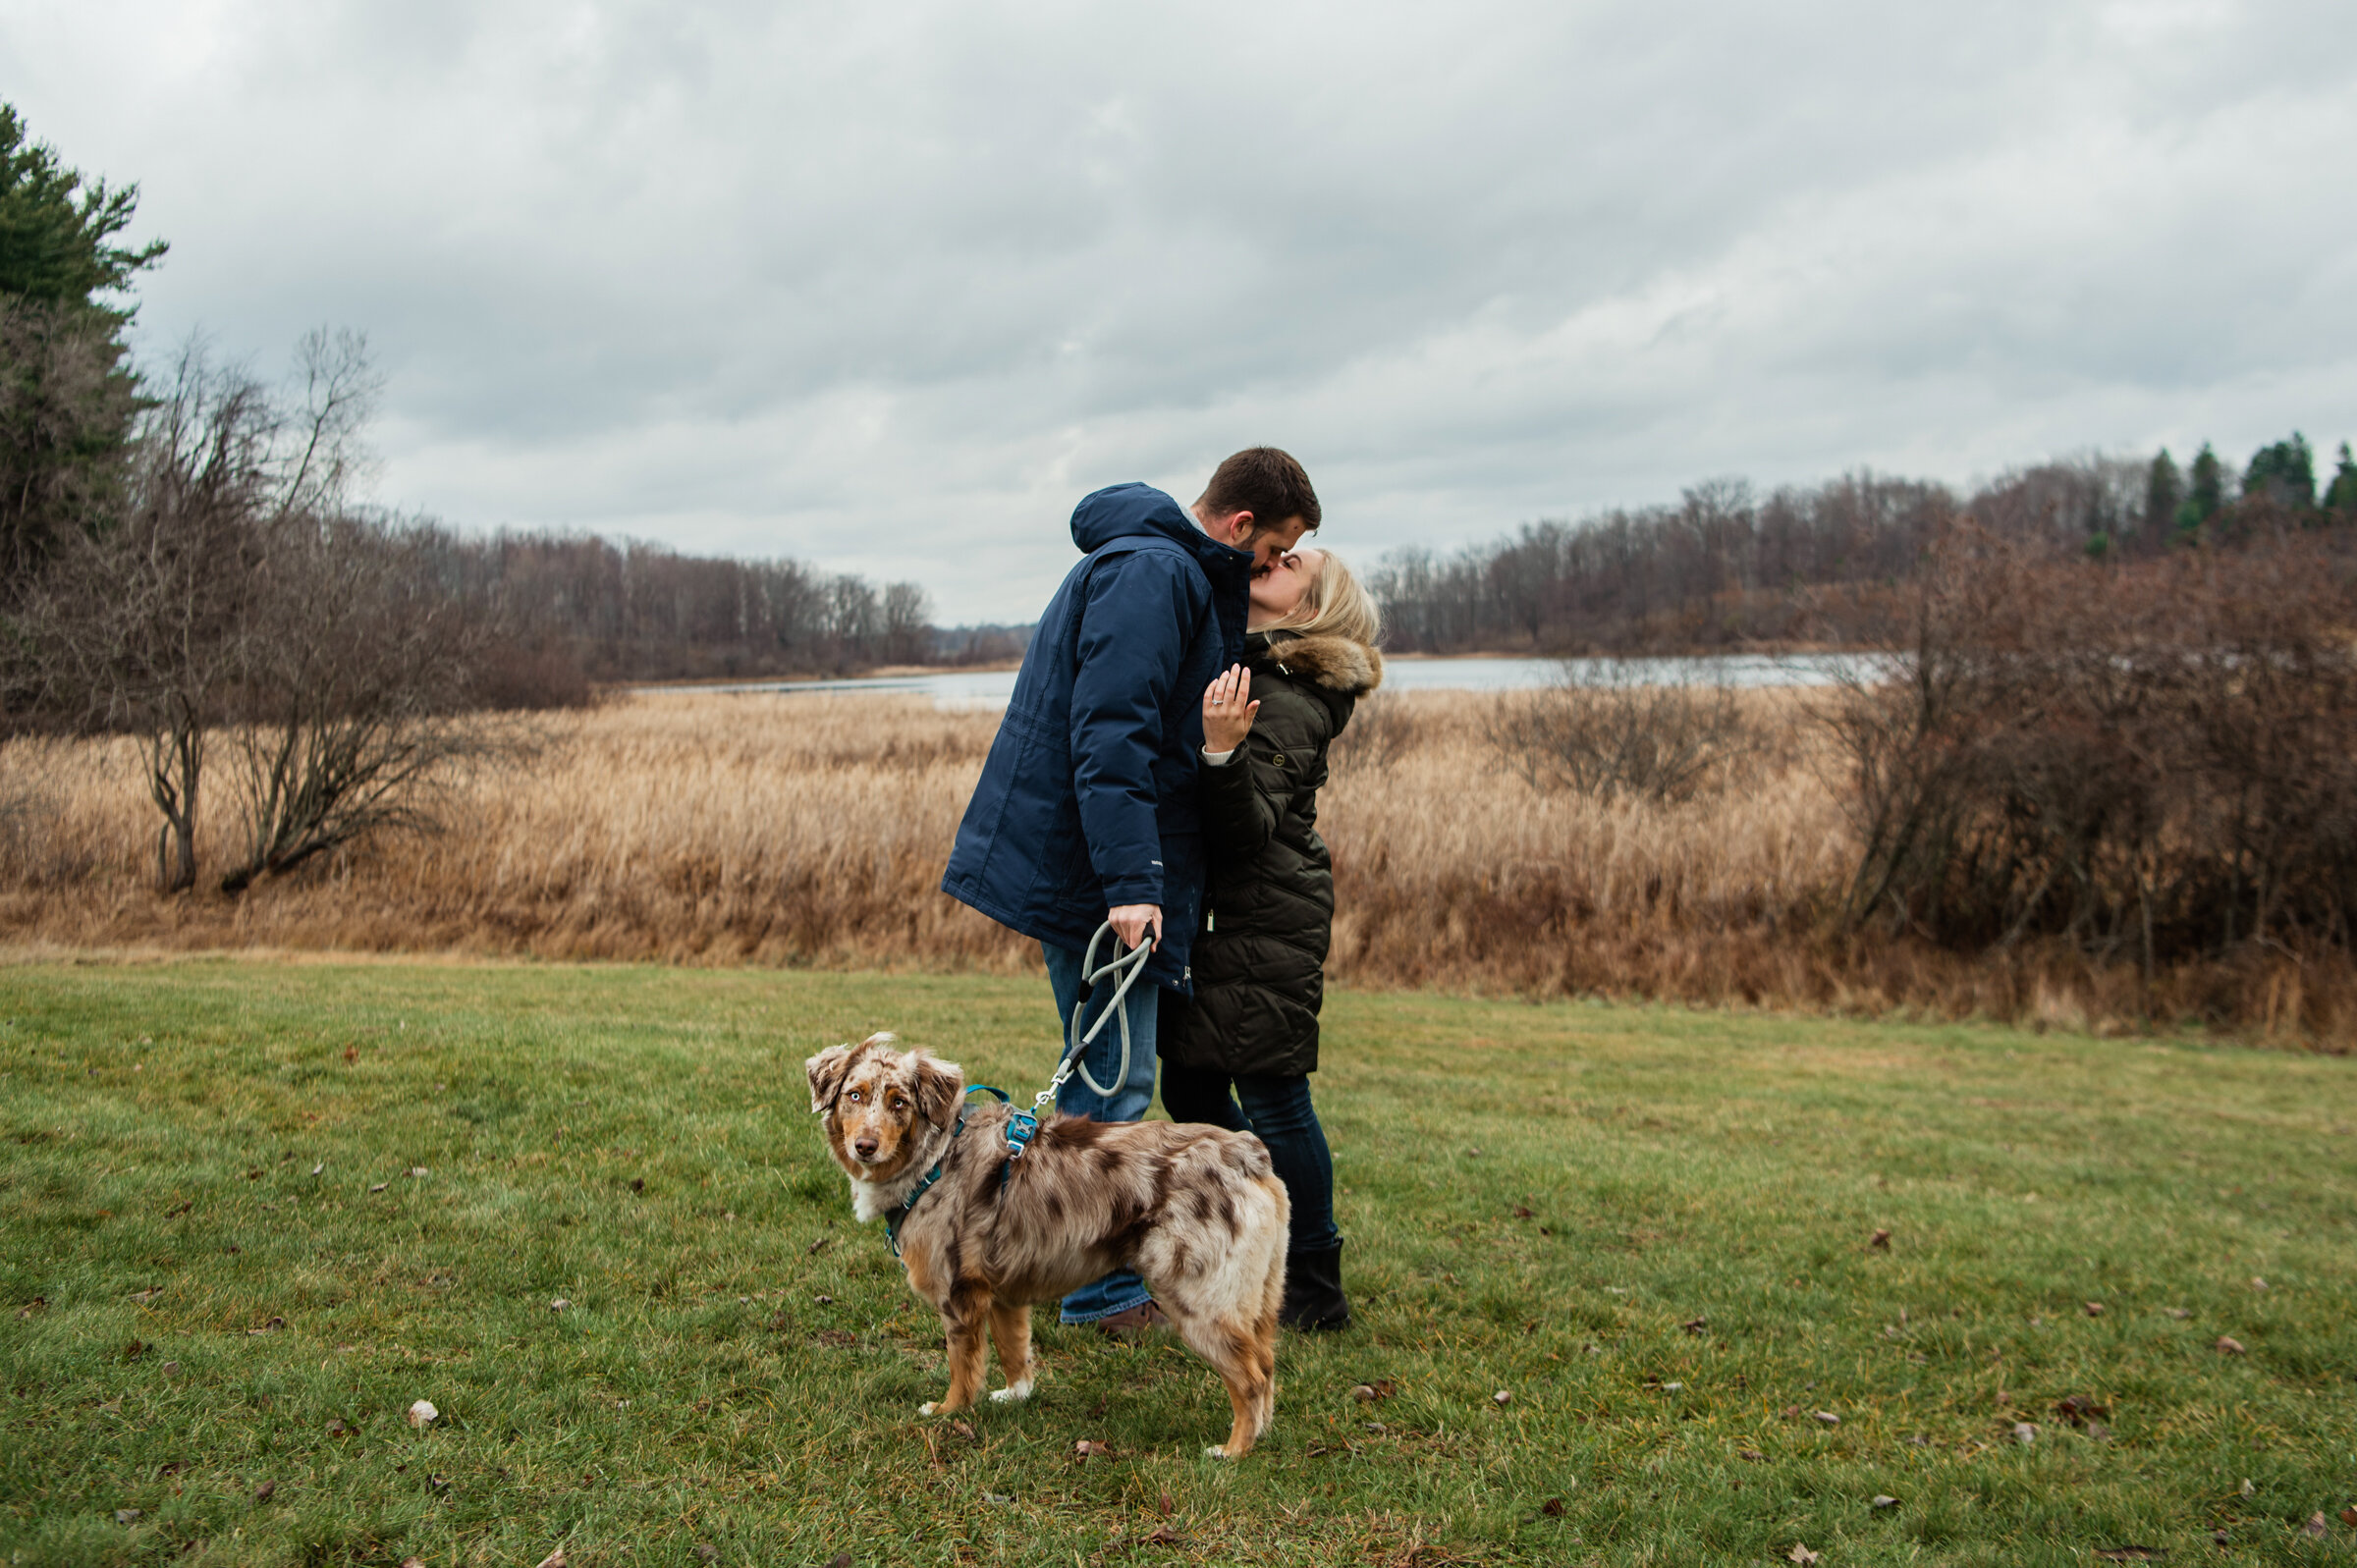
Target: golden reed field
712, 829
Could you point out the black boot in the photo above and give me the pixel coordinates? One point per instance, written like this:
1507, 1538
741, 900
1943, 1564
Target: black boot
1313, 1291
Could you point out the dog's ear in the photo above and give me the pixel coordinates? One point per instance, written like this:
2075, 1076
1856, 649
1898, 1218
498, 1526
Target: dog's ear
940, 1086
827, 1070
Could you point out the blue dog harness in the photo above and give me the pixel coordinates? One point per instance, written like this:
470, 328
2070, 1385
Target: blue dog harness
1020, 1126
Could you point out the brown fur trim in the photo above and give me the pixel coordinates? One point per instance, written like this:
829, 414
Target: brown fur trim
1335, 663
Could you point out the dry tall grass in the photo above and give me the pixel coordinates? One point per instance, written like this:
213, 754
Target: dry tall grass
811, 830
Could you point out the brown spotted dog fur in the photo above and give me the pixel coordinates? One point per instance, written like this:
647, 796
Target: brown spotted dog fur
1195, 1209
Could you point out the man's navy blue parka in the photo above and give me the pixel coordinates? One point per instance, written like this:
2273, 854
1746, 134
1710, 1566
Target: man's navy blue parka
1087, 801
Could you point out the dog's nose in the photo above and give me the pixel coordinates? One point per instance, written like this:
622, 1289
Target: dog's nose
864, 1147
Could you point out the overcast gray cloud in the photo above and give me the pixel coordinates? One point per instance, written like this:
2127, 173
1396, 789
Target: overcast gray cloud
888, 286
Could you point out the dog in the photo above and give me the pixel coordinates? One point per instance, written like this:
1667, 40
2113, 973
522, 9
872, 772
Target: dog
1195, 1209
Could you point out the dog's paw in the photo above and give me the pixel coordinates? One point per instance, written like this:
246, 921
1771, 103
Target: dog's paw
1015, 1394
1215, 1451
927, 1408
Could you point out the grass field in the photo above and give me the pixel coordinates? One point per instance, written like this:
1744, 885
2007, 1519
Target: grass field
1648, 1228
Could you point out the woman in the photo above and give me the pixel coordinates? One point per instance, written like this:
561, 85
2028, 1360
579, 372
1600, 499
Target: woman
1239, 1053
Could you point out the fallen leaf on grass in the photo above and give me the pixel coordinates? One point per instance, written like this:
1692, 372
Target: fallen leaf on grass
1501, 1397
1163, 1505
559, 1305
134, 1350
2025, 1432
270, 1328
2179, 1313
180, 1207
638, 1184
1881, 1240
1800, 1554
1522, 1212
169, 1368
147, 1295
1164, 1536
997, 1496
1553, 1508
1696, 1325
336, 1427
1826, 1416
351, 1053
2248, 1490
2316, 1527
262, 1492
962, 1429
124, 1516
1882, 1499
2228, 1345
706, 1552
412, 1562
423, 1413
2080, 1409
555, 1559
2258, 1283
2131, 1554
417, 1172
2348, 1517
1085, 1449
1750, 1456
321, 1166
812, 1249
380, 1186
2218, 1536
2095, 1309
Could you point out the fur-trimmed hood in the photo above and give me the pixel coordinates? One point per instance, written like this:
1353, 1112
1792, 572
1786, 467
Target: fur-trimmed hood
1335, 663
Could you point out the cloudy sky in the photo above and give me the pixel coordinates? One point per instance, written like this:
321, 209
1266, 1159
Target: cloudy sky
889, 286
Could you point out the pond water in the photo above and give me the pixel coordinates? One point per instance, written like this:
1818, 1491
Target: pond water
990, 688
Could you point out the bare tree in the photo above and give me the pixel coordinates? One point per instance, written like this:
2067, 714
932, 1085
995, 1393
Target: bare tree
139, 630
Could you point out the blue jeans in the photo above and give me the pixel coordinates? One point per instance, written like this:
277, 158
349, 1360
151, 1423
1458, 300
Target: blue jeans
1278, 1112
1131, 1096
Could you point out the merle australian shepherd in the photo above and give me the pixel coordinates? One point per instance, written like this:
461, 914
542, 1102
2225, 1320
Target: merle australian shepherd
1194, 1210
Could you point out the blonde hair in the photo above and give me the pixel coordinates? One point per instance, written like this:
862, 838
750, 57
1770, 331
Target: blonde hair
1334, 604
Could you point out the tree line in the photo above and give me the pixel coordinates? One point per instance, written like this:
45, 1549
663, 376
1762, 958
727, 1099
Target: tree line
1823, 565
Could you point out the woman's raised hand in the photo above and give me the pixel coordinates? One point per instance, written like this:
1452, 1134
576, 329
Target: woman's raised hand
1228, 709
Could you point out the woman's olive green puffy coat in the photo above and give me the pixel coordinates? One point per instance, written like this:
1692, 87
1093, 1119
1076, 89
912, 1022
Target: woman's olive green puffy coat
1268, 911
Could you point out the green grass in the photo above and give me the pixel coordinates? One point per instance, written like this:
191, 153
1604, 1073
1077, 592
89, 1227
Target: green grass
162, 1123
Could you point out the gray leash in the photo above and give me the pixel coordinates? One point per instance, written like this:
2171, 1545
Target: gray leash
1128, 965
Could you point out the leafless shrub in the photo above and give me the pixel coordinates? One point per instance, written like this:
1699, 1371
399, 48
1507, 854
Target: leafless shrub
355, 680
1616, 727
2151, 763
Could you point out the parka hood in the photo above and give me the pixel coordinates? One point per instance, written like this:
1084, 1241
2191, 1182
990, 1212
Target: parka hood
1120, 512
1335, 663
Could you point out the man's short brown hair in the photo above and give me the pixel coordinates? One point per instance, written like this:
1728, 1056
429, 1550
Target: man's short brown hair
1267, 483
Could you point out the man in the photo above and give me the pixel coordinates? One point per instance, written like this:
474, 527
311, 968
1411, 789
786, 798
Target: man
1086, 811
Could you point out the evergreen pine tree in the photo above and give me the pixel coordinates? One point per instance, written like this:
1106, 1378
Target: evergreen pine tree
2284, 472
2341, 497
67, 399
2205, 491
2164, 490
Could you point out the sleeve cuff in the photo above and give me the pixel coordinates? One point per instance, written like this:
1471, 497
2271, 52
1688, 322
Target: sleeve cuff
1217, 759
